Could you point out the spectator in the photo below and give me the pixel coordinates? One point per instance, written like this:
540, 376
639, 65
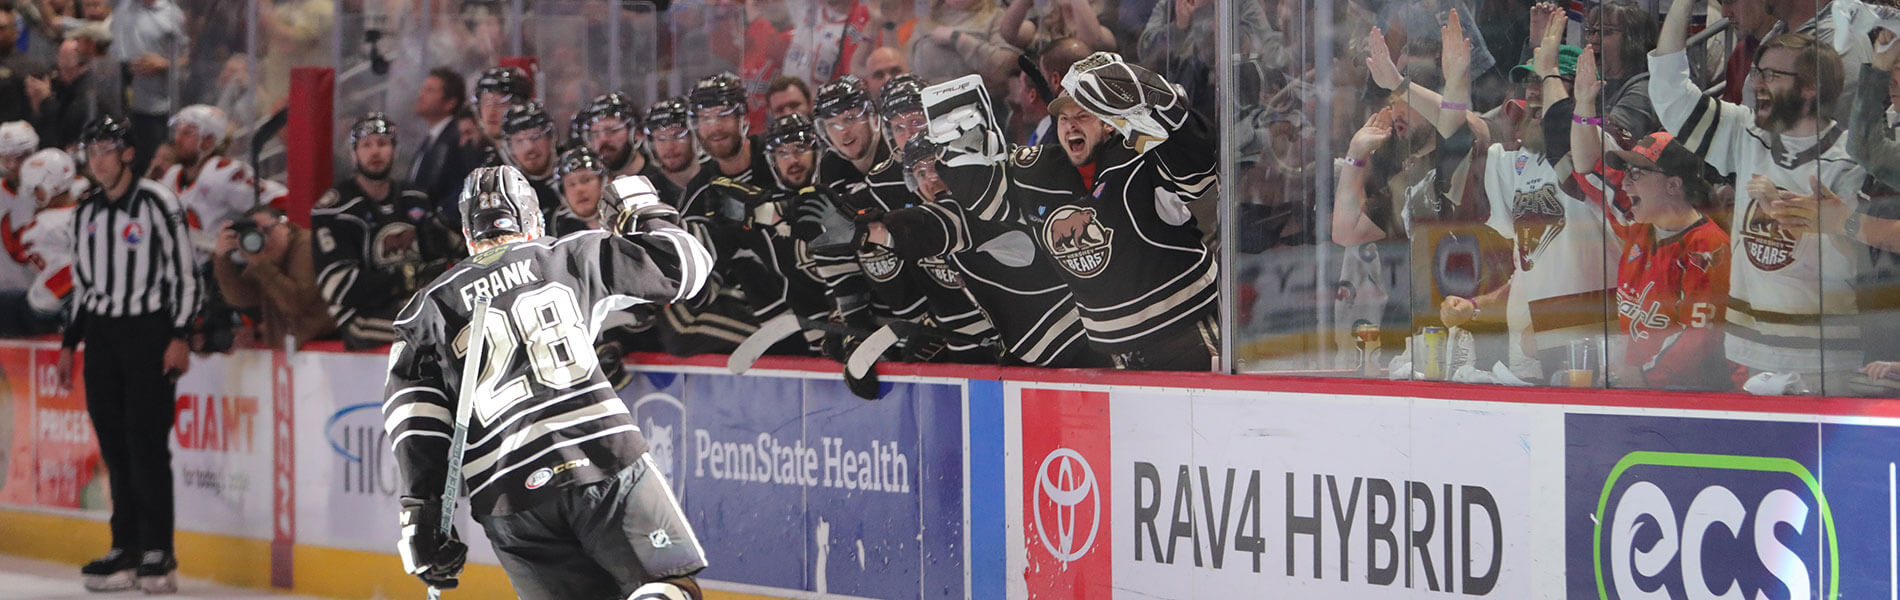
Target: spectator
883, 64
1065, 19
442, 160
13, 69
529, 140
788, 95
958, 38
1624, 32
1029, 120
298, 33
377, 241
1178, 44
148, 35
45, 28
266, 269
1797, 77
63, 105
670, 134
209, 186
1817, 18
834, 39
52, 182
17, 142
1752, 24
135, 329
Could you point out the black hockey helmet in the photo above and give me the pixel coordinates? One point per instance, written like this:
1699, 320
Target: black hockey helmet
498, 201
508, 82
372, 124
902, 94
842, 95
611, 105
526, 116
579, 158
716, 91
576, 131
107, 128
920, 149
789, 129
671, 112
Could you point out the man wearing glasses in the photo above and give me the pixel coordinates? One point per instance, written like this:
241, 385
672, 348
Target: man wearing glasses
1784, 286
528, 136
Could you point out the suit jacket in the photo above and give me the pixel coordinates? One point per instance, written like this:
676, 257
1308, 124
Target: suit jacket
440, 165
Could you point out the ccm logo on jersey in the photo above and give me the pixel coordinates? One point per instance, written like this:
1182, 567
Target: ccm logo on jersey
543, 475
1078, 242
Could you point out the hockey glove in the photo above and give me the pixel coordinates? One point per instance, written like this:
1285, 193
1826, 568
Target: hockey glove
1124, 95
613, 364
425, 553
732, 200
635, 200
861, 231
819, 220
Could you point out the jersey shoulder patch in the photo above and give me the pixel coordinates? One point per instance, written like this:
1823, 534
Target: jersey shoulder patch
882, 166
1024, 156
330, 199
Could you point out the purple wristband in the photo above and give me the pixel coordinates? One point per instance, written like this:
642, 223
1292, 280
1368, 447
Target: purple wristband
1586, 120
1454, 105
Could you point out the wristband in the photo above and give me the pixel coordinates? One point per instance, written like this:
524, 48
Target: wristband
1547, 77
1580, 120
1454, 105
1852, 226
1352, 162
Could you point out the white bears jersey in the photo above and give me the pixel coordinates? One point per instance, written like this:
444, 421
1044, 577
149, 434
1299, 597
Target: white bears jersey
1557, 242
1782, 287
223, 187
49, 250
16, 213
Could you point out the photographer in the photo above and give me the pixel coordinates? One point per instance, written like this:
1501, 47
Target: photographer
263, 265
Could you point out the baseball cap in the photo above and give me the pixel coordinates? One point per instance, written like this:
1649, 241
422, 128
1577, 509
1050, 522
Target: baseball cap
1566, 64
1659, 152
1062, 102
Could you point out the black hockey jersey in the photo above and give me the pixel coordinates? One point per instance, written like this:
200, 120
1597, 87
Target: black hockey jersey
544, 417
1127, 245
372, 254
895, 287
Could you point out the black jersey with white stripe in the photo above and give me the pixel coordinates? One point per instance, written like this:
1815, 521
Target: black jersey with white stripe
132, 256
373, 253
543, 416
896, 290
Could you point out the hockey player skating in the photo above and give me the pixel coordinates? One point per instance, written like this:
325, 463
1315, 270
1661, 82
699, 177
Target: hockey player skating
556, 469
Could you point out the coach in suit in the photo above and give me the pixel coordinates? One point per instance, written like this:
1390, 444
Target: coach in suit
441, 161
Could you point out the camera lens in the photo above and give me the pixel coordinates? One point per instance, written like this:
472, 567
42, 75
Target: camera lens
251, 241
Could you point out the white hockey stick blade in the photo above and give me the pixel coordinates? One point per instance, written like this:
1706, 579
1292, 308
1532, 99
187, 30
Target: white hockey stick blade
769, 334
464, 406
870, 350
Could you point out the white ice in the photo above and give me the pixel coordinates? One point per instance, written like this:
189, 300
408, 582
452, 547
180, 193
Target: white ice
23, 579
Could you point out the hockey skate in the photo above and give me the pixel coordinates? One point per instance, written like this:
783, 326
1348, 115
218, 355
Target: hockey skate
110, 573
158, 573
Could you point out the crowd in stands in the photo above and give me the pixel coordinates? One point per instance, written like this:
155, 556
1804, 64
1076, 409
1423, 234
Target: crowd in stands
1676, 194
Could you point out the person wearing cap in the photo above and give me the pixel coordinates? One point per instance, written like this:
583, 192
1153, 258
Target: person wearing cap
377, 239
528, 139
17, 141
210, 186
51, 180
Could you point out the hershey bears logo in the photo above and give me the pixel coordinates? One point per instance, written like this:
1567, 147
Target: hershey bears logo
1767, 245
1078, 242
1538, 216
396, 244
880, 263
941, 272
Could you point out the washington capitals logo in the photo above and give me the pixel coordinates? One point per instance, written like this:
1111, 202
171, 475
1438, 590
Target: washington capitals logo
133, 233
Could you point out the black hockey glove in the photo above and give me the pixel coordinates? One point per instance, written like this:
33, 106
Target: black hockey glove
425, 553
635, 200
613, 364
861, 230
732, 200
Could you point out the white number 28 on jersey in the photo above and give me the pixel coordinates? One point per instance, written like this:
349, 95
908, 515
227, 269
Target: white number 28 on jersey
560, 352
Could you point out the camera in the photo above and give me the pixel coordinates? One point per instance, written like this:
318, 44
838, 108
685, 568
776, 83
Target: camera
250, 239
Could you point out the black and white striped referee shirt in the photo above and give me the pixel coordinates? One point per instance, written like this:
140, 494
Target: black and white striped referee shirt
133, 257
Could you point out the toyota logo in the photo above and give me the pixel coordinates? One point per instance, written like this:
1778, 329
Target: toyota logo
1070, 482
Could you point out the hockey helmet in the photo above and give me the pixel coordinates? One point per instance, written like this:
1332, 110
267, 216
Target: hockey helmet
611, 105
787, 130
718, 91
671, 112
580, 158
917, 151
842, 95
498, 201
17, 138
208, 120
372, 124
51, 171
526, 116
902, 94
107, 128
508, 82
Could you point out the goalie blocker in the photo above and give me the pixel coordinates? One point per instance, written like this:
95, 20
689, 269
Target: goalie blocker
556, 470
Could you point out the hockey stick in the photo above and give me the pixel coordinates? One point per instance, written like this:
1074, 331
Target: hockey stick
464, 405
770, 333
881, 341
785, 325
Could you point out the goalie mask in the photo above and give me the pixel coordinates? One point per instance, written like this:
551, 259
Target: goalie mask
963, 122
1128, 97
497, 201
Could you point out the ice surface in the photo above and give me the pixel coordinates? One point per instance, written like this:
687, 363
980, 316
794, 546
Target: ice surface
23, 579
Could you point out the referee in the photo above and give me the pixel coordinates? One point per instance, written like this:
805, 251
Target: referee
135, 292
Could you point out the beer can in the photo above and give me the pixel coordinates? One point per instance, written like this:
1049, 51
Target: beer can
1429, 359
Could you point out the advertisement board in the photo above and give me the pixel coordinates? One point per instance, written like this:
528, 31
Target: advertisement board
873, 490
1202, 494
222, 446
1661, 507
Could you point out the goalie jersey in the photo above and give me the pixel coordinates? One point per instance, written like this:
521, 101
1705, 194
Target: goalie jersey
543, 415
